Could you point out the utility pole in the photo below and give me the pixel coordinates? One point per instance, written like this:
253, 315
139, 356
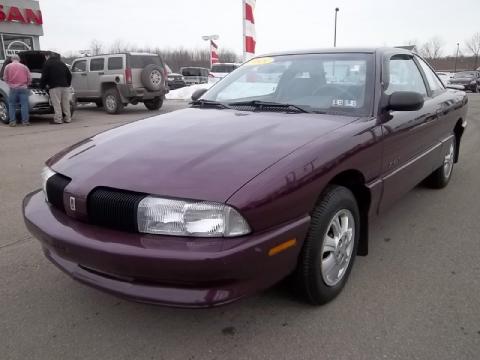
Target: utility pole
335, 31
456, 57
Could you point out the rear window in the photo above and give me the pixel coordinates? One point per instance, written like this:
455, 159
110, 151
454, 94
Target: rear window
194, 72
140, 61
223, 68
97, 64
115, 63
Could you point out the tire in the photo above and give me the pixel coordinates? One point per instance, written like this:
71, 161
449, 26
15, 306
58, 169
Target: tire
152, 77
4, 118
112, 102
153, 104
317, 284
442, 175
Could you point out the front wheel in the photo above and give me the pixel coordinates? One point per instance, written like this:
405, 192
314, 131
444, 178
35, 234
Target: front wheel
442, 175
329, 250
4, 112
153, 104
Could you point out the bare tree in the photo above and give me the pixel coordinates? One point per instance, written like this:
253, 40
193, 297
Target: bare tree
118, 46
432, 49
473, 44
96, 47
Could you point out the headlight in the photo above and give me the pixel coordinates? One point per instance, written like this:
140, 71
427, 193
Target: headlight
189, 218
47, 173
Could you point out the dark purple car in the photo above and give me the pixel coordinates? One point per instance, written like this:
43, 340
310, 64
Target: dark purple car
277, 170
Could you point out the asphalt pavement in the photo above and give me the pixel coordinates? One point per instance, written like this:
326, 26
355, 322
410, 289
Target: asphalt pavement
415, 296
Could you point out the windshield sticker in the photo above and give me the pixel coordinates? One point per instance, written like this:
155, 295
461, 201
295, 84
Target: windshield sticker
344, 103
260, 61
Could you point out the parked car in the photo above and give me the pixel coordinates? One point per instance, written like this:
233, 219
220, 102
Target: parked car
445, 77
470, 80
195, 75
175, 81
39, 100
220, 70
206, 205
115, 80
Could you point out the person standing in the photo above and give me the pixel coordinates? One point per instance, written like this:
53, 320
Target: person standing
57, 78
18, 77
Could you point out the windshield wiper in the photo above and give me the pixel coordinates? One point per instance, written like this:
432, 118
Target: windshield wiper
209, 103
262, 105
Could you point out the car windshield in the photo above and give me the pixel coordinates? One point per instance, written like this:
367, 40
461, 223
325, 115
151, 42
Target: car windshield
223, 68
464, 74
140, 61
194, 72
330, 83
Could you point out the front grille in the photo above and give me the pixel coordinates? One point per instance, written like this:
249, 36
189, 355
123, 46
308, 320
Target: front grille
55, 187
116, 209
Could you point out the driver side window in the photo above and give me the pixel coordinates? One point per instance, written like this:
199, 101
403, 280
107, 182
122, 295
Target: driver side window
404, 76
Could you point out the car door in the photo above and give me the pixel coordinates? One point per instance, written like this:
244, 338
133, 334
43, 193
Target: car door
79, 78
410, 144
97, 70
445, 106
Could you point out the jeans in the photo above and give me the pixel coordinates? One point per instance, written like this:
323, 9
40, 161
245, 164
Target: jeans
18, 96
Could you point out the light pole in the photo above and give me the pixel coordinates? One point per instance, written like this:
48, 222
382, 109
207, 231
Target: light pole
335, 32
456, 57
209, 38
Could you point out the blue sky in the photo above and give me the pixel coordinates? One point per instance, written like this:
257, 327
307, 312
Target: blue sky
70, 25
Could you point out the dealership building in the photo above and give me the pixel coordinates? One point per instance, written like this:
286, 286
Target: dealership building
21, 26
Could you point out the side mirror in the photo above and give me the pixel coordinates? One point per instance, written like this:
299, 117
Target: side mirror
405, 101
197, 94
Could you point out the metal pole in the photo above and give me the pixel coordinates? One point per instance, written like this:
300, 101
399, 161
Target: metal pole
335, 32
456, 57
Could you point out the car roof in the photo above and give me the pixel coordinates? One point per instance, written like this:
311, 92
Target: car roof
365, 50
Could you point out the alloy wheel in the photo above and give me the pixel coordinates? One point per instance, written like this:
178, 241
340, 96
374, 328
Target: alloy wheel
337, 247
448, 161
110, 102
3, 112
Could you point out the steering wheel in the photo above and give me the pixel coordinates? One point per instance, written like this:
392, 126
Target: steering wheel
335, 91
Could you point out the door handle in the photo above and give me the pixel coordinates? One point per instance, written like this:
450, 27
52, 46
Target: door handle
83, 74
101, 73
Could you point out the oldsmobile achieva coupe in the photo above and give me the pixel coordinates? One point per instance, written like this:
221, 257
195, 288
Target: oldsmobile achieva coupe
276, 170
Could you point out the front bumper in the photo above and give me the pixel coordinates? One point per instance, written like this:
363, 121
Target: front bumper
172, 271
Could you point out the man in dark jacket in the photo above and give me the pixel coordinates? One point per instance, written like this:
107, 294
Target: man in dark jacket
56, 77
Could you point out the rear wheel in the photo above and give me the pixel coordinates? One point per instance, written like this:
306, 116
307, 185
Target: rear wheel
441, 176
112, 102
330, 247
153, 104
4, 111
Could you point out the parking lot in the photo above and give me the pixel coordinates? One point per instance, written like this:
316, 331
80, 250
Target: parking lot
415, 296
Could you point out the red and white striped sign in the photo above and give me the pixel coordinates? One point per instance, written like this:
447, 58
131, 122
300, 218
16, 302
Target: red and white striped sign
249, 36
213, 52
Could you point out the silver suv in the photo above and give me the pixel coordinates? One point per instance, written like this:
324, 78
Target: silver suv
115, 80
38, 99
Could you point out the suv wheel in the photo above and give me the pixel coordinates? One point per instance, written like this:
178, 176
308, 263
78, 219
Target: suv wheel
153, 104
3, 111
112, 102
152, 77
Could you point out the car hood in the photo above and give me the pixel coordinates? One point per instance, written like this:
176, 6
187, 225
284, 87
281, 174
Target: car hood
204, 154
